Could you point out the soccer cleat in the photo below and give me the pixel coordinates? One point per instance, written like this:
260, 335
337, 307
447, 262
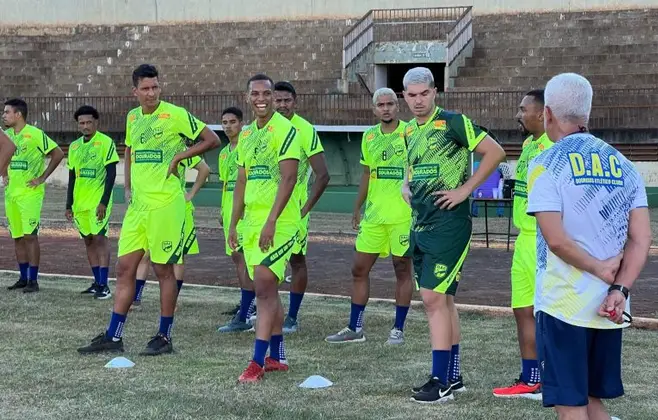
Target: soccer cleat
159, 344
253, 373
519, 389
18, 285
455, 386
32, 287
346, 335
273, 365
91, 290
235, 325
102, 293
233, 311
433, 392
396, 336
102, 343
290, 325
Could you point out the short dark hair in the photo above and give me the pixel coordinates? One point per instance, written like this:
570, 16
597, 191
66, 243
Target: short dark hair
259, 77
286, 87
86, 110
233, 110
538, 94
144, 71
18, 105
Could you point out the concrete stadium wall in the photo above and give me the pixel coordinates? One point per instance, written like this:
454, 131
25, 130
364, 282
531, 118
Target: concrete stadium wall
115, 12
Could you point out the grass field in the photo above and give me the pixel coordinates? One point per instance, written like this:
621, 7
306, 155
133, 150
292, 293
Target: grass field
43, 377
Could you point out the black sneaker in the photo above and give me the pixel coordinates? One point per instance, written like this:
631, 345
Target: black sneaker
433, 392
455, 386
32, 286
159, 344
91, 289
102, 343
103, 293
18, 285
233, 311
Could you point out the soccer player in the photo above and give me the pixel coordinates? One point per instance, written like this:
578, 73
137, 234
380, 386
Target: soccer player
228, 173
156, 133
268, 160
524, 263
25, 189
386, 223
92, 168
312, 154
591, 207
439, 144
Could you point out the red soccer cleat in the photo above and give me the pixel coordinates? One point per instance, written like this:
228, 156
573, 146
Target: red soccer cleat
253, 373
519, 390
273, 365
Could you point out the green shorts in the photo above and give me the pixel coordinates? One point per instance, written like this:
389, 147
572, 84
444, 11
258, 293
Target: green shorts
159, 230
301, 244
384, 239
89, 225
438, 256
190, 243
524, 266
23, 214
277, 257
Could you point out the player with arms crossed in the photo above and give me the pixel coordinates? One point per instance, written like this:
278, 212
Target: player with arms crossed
25, 189
312, 155
524, 263
92, 165
439, 144
156, 133
268, 160
591, 207
387, 219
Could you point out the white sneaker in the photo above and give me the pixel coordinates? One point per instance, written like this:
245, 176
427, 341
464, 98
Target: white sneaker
395, 337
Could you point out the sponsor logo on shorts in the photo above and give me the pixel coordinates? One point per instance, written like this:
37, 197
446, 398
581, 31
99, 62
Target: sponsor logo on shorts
18, 165
87, 173
230, 185
404, 240
384, 172
148, 156
427, 171
440, 271
167, 246
259, 172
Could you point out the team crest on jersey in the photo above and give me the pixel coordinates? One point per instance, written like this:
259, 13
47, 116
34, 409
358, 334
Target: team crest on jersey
33, 222
404, 240
433, 144
157, 133
440, 125
167, 246
399, 150
440, 271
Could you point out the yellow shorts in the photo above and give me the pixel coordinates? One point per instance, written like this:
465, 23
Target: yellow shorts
301, 244
524, 266
89, 225
190, 243
23, 214
384, 239
277, 257
159, 230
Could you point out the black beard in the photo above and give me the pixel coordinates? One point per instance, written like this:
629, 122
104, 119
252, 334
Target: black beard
524, 132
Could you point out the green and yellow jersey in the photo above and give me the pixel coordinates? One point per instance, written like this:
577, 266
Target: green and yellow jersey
438, 153
259, 152
154, 140
88, 159
531, 149
29, 160
309, 145
228, 174
386, 157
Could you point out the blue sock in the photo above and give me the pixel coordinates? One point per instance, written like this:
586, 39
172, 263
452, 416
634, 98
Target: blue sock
455, 364
166, 323
260, 348
356, 316
33, 273
440, 362
139, 288
277, 348
295, 303
179, 284
103, 274
530, 372
400, 316
248, 297
97, 273
115, 330
23, 267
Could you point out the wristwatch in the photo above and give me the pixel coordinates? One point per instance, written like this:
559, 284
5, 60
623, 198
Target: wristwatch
621, 288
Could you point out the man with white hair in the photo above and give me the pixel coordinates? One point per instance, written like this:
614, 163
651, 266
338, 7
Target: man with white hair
439, 145
591, 208
386, 223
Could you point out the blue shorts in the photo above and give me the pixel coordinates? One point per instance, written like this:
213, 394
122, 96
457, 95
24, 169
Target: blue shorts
577, 362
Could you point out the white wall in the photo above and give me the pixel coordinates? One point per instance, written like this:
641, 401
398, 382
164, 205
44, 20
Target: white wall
159, 11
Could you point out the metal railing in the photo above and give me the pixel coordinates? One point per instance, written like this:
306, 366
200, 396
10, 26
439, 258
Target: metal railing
388, 25
612, 109
459, 36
